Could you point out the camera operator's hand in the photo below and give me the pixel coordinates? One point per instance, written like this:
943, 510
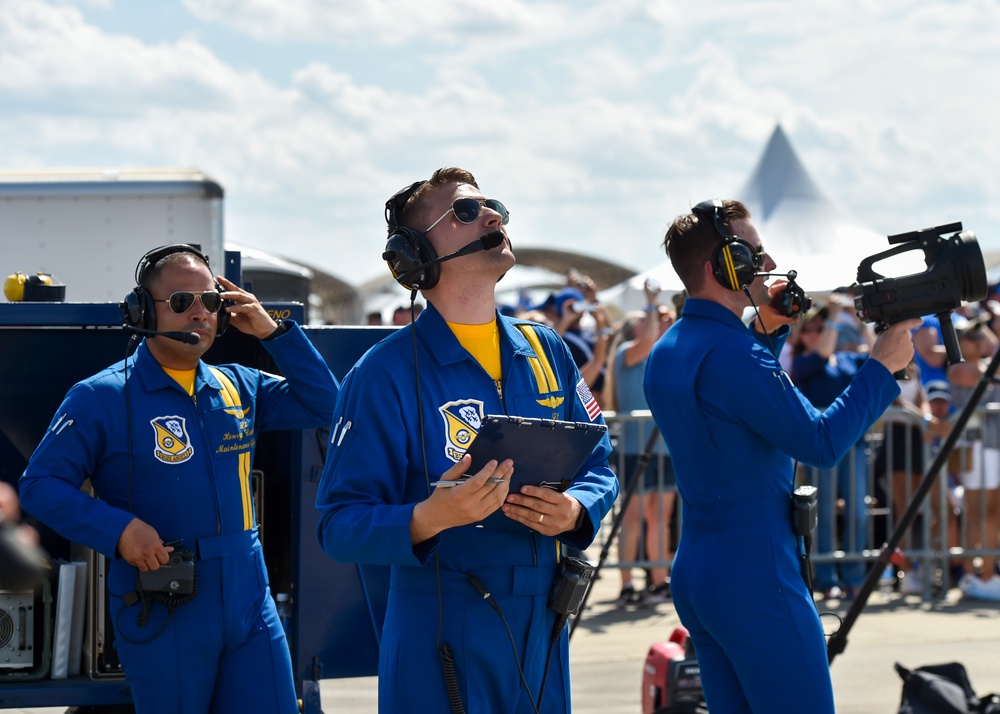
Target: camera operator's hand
770, 318
140, 545
894, 346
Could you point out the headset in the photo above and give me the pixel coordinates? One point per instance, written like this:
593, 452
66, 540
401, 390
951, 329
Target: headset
734, 263
138, 308
408, 253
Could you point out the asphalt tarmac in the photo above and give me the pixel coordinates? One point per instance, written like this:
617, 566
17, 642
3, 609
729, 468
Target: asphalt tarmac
609, 646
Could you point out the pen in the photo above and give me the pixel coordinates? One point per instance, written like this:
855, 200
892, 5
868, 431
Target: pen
449, 484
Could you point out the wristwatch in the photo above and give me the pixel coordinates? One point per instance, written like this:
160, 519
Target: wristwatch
283, 327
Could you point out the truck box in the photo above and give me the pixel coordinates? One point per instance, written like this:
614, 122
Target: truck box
87, 228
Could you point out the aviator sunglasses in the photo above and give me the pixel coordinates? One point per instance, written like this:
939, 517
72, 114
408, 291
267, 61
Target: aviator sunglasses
467, 210
183, 301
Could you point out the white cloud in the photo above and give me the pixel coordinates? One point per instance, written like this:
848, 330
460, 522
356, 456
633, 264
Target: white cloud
382, 22
595, 122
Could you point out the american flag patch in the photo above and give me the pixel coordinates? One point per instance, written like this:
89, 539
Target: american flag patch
590, 404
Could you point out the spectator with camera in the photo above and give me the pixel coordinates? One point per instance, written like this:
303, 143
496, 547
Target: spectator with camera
734, 423
167, 442
588, 345
648, 513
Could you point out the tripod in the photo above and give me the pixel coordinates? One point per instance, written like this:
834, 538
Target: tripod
838, 641
631, 483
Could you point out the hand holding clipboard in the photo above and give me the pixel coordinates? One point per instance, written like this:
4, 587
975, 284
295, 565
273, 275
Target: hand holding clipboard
546, 452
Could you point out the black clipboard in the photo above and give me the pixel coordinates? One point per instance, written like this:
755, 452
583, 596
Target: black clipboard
546, 452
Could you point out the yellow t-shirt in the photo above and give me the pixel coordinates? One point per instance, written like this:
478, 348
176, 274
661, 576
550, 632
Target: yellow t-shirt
183, 377
483, 343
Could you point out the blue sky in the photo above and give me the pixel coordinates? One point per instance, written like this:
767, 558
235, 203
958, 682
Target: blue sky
595, 122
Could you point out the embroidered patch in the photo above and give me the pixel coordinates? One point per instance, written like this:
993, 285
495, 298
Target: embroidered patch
173, 445
590, 404
462, 419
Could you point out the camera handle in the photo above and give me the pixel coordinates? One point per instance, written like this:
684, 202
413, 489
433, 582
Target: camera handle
948, 336
631, 483
838, 641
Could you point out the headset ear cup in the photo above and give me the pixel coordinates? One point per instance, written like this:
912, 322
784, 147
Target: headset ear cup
734, 265
407, 253
223, 317
138, 309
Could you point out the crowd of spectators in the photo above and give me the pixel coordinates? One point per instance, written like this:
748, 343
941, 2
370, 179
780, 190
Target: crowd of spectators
821, 355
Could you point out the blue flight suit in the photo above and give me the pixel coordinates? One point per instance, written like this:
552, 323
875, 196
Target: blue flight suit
733, 423
182, 465
376, 473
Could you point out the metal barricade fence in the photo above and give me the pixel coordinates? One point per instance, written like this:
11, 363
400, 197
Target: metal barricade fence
892, 459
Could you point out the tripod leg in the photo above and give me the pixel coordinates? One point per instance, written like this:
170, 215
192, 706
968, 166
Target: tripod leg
631, 483
838, 641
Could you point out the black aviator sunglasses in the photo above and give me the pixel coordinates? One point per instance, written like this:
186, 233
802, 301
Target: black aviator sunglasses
181, 302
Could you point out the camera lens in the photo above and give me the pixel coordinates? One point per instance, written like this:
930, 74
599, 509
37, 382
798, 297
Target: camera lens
970, 267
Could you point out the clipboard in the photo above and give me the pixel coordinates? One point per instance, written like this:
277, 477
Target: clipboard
546, 452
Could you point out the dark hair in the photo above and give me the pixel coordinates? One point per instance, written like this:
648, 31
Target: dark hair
152, 272
690, 242
413, 215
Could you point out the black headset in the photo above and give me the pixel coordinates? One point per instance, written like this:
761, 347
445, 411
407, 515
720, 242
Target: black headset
138, 308
407, 250
734, 263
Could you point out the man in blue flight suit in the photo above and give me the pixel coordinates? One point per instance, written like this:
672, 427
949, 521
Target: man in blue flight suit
167, 443
406, 414
733, 423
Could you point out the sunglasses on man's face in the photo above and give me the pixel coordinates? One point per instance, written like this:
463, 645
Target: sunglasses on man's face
467, 210
183, 301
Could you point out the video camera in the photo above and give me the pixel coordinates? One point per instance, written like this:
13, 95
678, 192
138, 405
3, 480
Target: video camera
955, 272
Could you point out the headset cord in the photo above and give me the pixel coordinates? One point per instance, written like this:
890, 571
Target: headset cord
451, 680
129, 349
767, 336
804, 542
481, 589
444, 650
545, 672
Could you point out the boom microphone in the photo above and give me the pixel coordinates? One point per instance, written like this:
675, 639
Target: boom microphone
792, 300
487, 242
791, 275
189, 338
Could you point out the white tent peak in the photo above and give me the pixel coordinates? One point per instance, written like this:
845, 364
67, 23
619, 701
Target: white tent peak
797, 221
778, 177
801, 228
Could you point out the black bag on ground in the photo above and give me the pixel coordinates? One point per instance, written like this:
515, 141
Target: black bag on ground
942, 689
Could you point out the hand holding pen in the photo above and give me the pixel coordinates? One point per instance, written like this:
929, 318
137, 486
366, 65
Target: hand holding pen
472, 499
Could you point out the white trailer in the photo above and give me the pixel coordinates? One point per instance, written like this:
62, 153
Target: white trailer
88, 228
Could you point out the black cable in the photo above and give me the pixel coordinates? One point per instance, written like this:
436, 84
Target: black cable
444, 650
481, 589
129, 349
169, 600
805, 541
548, 658
451, 680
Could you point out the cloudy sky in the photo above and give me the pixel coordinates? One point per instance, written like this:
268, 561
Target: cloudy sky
596, 122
